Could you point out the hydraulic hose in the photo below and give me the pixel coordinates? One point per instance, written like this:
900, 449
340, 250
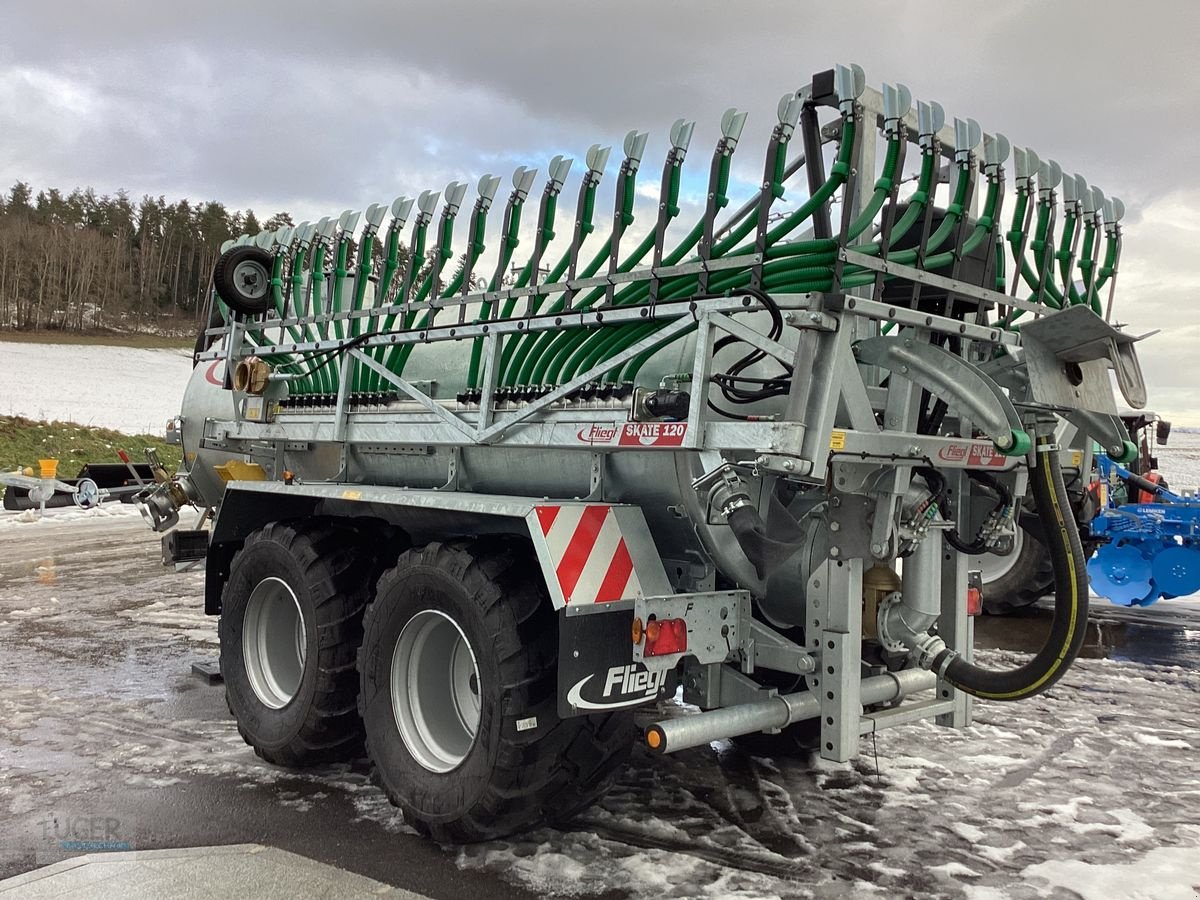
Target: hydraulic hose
1070, 601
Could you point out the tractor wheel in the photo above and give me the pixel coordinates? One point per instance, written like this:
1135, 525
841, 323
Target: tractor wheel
242, 278
291, 624
1017, 580
459, 697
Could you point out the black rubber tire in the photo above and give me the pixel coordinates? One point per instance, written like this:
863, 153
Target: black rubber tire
235, 295
509, 780
330, 579
1030, 579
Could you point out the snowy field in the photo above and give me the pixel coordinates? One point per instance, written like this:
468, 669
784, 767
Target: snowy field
123, 388
1179, 461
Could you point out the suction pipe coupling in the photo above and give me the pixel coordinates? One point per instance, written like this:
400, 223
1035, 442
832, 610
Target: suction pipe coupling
905, 617
729, 493
251, 375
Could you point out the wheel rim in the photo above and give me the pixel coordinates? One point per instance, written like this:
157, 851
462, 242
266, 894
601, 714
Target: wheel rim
252, 279
435, 691
994, 567
274, 642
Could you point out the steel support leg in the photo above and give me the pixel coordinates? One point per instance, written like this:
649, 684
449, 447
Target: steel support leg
955, 627
836, 615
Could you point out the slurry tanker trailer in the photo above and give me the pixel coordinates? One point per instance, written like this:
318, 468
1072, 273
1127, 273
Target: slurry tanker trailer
473, 510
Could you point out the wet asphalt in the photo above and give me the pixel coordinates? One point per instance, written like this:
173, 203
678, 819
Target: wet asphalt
93, 700
106, 734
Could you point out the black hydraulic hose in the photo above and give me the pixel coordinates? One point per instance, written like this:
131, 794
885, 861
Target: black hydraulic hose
1145, 484
765, 551
1070, 601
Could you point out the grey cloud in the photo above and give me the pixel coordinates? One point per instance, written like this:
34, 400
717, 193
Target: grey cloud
315, 107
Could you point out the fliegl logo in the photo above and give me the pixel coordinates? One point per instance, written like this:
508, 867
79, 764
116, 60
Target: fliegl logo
597, 434
623, 686
954, 453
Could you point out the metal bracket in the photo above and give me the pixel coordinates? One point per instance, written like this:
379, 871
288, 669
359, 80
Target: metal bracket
715, 685
596, 488
1107, 429
452, 467
767, 648
1058, 348
714, 625
950, 376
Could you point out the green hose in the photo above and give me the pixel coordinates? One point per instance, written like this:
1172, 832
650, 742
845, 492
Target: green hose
780, 265
1086, 265
316, 285
339, 280
391, 265
533, 347
604, 345
1064, 258
1111, 244
444, 251
361, 279
515, 205
1040, 246
415, 258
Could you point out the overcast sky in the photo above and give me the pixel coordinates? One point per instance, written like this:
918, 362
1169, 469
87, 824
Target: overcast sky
314, 107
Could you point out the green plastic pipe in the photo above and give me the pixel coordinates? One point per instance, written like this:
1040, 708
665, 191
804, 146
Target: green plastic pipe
604, 345
363, 275
507, 247
336, 286
533, 347
415, 259
1070, 223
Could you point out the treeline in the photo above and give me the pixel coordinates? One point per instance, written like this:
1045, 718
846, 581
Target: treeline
81, 261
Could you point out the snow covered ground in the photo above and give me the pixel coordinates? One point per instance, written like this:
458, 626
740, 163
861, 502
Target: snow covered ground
1088, 791
59, 515
1179, 461
124, 388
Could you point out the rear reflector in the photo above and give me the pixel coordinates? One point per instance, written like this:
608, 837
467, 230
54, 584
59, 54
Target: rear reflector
664, 636
974, 601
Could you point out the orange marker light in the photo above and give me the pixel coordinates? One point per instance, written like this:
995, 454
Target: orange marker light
636, 630
653, 738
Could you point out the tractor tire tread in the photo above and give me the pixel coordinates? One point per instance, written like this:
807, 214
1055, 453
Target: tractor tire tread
539, 776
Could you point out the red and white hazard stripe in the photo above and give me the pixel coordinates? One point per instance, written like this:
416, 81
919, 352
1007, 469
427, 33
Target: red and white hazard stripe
591, 561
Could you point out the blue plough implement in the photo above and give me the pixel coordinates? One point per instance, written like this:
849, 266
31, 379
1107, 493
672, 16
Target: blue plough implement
1152, 549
